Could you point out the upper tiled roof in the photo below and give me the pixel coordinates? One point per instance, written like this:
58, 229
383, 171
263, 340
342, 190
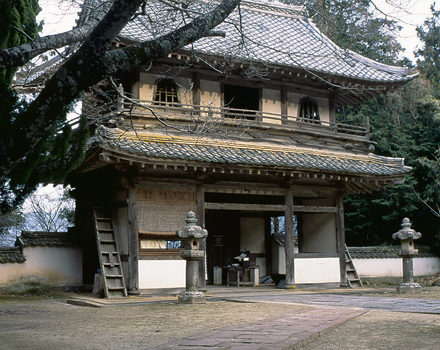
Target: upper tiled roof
221, 152
11, 255
47, 239
384, 252
276, 35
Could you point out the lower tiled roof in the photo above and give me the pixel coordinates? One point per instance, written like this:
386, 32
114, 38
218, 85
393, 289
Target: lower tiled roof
11, 255
45, 239
236, 153
384, 252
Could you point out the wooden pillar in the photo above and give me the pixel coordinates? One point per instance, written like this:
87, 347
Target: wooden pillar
133, 241
284, 110
200, 215
196, 89
332, 108
289, 240
340, 234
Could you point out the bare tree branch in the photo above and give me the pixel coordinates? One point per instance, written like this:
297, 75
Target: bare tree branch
19, 55
90, 64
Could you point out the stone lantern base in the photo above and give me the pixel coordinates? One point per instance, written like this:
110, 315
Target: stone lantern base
410, 288
192, 298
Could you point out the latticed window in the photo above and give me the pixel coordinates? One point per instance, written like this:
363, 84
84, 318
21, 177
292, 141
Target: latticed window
166, 91
308, 110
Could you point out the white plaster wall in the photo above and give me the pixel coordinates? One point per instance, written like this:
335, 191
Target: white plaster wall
271, 104
252, 239
324, 109
278, 259
49, 266
252, 234
319, 270
319, 233
162, 274
184, 90
292, 104
393, 267
210, 93
146, 86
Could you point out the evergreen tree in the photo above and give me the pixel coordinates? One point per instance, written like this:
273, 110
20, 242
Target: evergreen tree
429, 54
19, 25
403, 124
53, 157
355, 25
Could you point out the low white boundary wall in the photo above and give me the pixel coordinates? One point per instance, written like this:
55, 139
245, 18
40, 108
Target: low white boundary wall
47, 266
370, 268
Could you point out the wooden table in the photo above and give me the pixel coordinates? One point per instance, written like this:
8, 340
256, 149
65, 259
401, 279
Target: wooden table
240, 273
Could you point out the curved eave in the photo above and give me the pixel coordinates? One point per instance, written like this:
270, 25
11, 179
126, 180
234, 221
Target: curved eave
357, 173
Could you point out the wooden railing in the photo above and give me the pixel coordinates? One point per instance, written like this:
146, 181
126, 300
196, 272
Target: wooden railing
239, 117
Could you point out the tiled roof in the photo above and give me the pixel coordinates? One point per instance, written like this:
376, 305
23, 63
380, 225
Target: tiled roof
11, 255
235, 153
45, 239
384, 252
275, 35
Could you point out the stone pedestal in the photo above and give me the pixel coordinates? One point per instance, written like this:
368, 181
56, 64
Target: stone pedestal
192, 298
191, 236
410, 288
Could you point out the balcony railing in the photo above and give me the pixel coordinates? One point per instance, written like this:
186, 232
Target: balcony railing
225, 116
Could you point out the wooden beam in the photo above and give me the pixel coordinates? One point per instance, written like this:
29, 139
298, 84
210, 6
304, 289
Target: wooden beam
245, 207
313, 209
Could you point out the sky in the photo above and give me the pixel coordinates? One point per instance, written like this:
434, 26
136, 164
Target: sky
60, 16
409, 14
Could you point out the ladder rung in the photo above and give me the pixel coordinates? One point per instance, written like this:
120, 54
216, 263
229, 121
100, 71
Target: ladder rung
107, 241
111, 265
113, 276
105, 230
116, 288
103, 219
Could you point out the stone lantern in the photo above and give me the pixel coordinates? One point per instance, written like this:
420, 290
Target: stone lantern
191, 236
407, 236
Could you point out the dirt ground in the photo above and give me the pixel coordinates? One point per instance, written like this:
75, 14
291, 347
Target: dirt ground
53, 325
49, 324
377, 330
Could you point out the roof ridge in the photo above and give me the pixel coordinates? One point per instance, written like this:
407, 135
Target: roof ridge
275, 7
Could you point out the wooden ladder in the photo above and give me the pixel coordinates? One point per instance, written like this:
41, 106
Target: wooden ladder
109, 259
351, 274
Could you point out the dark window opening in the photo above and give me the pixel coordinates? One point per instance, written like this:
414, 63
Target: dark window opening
308, 110
166, 91
242, 102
